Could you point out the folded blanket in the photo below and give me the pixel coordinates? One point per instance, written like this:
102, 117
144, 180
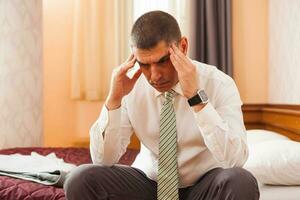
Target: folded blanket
47, 170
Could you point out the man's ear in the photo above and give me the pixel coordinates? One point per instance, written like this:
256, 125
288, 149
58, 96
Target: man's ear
183, 45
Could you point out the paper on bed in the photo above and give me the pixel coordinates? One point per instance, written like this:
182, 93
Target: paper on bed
48, 170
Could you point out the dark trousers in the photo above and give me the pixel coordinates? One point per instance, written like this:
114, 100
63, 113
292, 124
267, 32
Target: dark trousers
119, 182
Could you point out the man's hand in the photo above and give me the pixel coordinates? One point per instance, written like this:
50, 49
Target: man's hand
186, 72
121, 84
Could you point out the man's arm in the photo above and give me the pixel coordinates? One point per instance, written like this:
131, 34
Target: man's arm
223, 128
110, 134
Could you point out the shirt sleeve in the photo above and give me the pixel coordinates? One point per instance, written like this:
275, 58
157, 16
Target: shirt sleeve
223, 129
110, 136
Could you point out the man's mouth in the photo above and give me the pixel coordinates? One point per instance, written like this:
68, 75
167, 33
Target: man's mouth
160, 85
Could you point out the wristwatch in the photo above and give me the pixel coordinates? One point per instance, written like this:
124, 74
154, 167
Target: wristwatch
199, 98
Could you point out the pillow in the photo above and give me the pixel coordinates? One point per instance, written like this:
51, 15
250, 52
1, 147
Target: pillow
258, 135
275, 162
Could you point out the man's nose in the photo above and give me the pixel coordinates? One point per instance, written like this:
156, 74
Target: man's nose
155, 73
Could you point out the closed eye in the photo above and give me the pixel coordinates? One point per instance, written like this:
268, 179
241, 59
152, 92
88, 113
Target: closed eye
144, 65
164, 59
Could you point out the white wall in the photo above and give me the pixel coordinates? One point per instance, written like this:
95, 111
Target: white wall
284, 51
20, 73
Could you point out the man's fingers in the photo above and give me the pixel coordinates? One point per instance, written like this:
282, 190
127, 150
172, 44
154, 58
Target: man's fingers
130, 57
136, 75
128, 65
176, 60
179, 53
180, 56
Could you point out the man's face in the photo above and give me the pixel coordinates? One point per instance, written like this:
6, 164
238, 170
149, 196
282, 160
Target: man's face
157, 67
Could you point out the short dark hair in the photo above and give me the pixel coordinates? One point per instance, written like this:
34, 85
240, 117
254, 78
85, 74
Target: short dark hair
153, 27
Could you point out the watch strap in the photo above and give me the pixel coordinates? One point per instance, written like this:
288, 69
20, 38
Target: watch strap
199, 98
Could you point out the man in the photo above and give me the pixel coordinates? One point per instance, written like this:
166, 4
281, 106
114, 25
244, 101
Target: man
187, 116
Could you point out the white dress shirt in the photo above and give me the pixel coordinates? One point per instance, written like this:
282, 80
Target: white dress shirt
213, 137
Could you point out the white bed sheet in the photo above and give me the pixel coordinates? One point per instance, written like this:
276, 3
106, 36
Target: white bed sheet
268, 192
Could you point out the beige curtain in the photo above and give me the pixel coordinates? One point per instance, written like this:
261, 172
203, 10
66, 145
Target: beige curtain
184, 13
100, 43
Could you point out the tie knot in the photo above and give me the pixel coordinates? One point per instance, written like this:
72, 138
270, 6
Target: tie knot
170, 95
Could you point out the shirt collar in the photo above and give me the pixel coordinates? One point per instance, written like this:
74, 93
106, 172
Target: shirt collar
176, 88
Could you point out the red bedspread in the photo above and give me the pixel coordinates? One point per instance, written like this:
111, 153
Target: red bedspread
17, 189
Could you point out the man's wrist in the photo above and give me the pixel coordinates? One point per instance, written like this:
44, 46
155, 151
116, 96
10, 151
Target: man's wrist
191, 94
112, 104
198, 107
200, 98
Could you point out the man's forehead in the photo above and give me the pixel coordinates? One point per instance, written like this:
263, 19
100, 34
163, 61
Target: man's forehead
150, 55
159, 44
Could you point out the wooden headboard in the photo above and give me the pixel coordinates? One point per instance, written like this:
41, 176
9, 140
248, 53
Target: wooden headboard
284, 119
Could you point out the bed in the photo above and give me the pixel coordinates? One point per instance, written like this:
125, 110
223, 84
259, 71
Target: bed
284, 120
283, 168
274, 192
17, 189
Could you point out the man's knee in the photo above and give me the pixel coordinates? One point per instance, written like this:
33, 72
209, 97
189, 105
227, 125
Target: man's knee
238, 183
74, 179
80, 179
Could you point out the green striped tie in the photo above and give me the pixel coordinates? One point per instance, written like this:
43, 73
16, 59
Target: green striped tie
167, 181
